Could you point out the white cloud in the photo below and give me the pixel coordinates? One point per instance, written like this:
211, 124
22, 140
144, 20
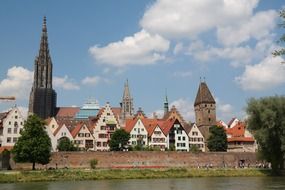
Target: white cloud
188, 18
267, 74
186, 108
140, 49
257, 27
65, 83
91, 80
18, 83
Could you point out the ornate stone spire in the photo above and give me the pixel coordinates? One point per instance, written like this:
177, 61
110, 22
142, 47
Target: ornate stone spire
43, 97
127, 103
43, 63
166, 108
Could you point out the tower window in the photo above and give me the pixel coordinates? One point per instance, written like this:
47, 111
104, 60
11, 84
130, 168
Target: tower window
209, 111
209, 119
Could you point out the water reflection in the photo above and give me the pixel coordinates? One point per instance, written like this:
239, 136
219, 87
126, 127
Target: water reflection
213, 183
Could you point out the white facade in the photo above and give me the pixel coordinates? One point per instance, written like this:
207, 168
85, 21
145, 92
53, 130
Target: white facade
105, 126
52, 124
181, 138
12, 124
83, 138
52, 138
196, 138
158, 139
139, 134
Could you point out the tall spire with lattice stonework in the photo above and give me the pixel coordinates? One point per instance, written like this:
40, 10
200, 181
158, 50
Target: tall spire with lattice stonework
166, 108
127, 107
43, 97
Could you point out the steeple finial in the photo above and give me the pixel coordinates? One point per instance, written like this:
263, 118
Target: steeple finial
166, 108
166, 99
44, 24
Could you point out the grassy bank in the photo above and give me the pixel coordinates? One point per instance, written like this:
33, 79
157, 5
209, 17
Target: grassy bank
59, 175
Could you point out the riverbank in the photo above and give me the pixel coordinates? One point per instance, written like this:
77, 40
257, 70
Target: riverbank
73, 175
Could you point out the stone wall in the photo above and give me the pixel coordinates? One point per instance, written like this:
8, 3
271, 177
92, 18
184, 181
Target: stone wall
143, 159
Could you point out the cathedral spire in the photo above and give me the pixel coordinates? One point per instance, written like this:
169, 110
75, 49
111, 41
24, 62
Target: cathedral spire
166, 108
126, 90
43, 97
127, 109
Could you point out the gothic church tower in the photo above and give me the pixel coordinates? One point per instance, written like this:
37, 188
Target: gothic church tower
205, 106
127, 107
43, 97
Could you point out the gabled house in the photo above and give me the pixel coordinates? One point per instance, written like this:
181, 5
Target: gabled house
104, 125
156, 137
63, 132
52, 124
83, 137
177, 137
11, 124
138, 131
240, 139
196, 138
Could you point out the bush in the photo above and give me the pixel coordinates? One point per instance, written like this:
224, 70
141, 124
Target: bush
93, 163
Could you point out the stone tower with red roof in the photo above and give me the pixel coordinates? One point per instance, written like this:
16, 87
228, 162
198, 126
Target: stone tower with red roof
205, 106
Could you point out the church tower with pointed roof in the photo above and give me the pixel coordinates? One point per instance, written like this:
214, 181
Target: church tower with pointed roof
127, 106
166, 108
205, 106
42, 97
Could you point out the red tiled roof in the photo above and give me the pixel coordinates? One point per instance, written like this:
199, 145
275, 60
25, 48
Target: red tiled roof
168, 124
237, 131
240, 139
130, 123
57, 129
68, 112
76, 130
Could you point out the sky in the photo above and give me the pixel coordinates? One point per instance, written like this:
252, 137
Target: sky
158, 45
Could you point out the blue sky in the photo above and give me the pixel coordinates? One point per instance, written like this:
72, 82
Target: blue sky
96, 45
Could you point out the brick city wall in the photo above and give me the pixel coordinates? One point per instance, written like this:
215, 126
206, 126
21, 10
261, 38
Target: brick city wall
143, 159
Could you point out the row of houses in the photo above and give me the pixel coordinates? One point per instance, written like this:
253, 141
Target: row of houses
168, 133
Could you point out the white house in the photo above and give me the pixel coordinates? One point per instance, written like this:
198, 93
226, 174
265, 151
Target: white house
105, 124
157, 138
11, 123
196, 138
83, 137
138, 131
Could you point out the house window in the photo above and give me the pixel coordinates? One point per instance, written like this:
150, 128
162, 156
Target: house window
209, 119
142, 129
9, 122
209, 111
16, 117
80, 134
183, 138
15, 139
179, 138
15, 130
103, 127
98, 144
9, 130
179, 131
52, 126
108, 113
87, 135
8, 139
134, 142
101, 136
15, 124
104, 144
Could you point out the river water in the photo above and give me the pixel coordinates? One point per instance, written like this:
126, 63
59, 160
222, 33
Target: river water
204, 183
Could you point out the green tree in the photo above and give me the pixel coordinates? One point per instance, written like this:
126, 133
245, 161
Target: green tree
34, 145
119, 139
281, 52
66, 145
267, 122
217, 140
